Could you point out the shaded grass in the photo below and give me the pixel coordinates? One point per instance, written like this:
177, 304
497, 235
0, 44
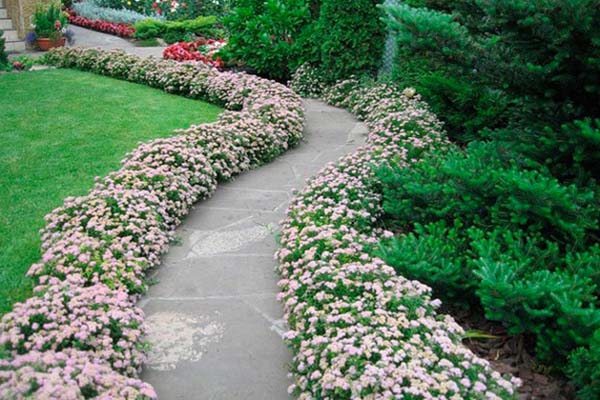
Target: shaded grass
58, 130
152, 42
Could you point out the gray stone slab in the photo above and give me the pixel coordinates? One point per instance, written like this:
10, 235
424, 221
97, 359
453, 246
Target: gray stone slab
229, 275
231, 196
229, 349
277, 175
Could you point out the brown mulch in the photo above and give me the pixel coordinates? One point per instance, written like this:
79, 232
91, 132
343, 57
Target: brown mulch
512, 355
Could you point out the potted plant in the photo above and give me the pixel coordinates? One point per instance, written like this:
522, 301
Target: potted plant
49, 22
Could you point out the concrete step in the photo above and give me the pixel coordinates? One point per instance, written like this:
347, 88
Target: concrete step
3, 13
5, 24
10, 35
15, 46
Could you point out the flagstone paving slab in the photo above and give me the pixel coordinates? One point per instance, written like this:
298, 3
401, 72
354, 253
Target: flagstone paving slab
215, 325
89, 38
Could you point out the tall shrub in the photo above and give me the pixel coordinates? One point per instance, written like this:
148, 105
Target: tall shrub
3, 56
263, 35
515, 59
350, 37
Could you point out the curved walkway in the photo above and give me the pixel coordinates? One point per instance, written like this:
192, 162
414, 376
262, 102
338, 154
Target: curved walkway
90, 38
215, 325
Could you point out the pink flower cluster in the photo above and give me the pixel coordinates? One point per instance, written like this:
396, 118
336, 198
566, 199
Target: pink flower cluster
81, 334
357, 329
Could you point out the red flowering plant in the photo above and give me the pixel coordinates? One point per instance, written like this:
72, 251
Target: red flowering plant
202, 50
123, 30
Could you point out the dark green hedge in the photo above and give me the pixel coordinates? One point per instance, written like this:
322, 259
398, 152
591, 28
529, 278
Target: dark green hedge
275, 37
490, 227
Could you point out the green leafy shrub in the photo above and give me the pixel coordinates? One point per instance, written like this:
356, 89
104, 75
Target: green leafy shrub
276, 37
49, 20
434, 254
489, 185
584, 369
262, 35
437, 55
501, 64
3, 55
525, 283
177, 31
520, 279
571, 152
149, 28
350, 37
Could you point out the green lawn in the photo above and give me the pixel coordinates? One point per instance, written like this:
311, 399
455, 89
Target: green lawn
58, 130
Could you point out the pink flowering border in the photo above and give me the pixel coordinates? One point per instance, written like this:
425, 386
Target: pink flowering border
357, 329
81, 334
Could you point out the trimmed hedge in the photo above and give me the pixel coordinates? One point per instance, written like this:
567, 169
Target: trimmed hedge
78, 337
357, 329
178, 31
275, 37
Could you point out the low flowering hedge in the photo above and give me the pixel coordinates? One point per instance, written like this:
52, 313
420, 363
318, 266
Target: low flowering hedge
113, 28
80, 335
202, 50
357, 329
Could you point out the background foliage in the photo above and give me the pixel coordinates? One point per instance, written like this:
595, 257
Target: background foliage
93, 10
275, 37
508, 220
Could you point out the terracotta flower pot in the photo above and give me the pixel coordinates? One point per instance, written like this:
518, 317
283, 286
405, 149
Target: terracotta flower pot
46, 44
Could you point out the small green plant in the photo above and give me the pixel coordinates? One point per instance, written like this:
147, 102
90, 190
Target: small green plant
49, 21
3, 55
584, 369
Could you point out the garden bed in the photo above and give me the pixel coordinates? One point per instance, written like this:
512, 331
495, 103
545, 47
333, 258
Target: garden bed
356, 327
67, 146
98, 247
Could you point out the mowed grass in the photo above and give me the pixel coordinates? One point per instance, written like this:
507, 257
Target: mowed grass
58, 130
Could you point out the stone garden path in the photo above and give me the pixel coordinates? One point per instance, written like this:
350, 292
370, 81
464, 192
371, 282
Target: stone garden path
215, 325
89, 38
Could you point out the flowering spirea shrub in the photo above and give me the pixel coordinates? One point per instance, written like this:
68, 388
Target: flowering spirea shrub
202, 50
114, 28
80, 335
67, 375
307, 82
357, 329
68, 314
